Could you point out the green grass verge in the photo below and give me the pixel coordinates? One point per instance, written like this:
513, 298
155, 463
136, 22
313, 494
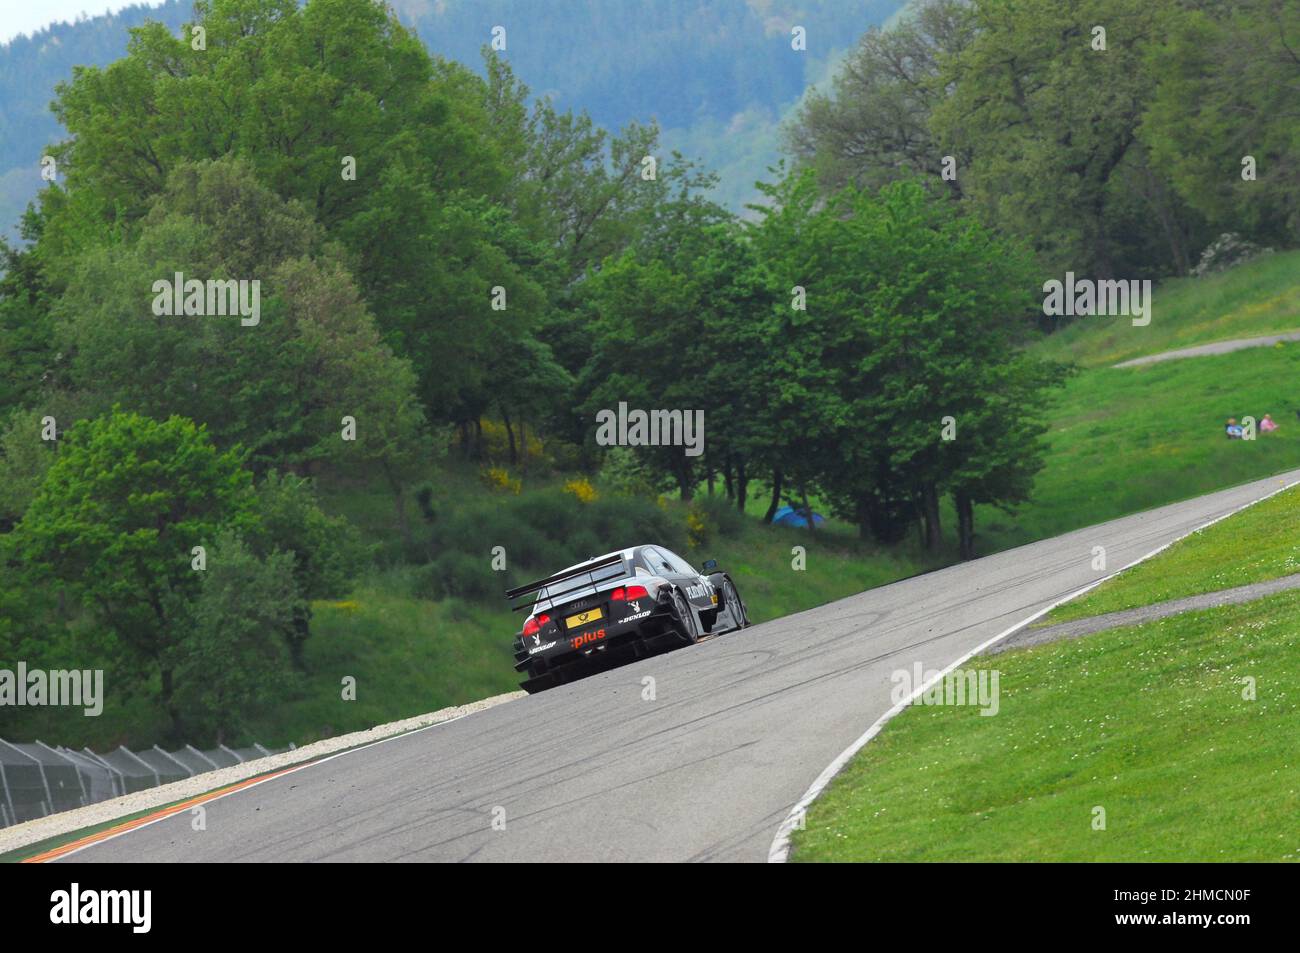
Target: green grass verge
1258, 298
408, 656
1255, 545
1125, 440
1146, 722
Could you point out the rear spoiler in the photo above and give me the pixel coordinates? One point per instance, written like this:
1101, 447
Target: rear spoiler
587, 569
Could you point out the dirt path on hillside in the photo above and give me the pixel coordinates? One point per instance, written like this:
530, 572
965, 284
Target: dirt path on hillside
1216, 347
1114, 620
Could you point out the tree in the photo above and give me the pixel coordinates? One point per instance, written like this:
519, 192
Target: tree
300, 95
874, 125
281, 387
324, 552
573, 185
1227, 89
736, 324
27, 352
1050, 120
645, 311
24, 459
642, 318
998, 446
913, 315
232, 654
115, 523
939, 304
801, 407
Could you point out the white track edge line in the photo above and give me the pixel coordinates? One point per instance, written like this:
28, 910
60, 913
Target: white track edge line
779, 852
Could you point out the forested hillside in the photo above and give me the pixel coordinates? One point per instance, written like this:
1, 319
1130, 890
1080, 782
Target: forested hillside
705, 70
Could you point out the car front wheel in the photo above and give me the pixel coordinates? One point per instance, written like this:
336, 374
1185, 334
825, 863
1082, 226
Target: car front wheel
684, 619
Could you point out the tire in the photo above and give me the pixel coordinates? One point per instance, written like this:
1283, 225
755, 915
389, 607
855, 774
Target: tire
735, 607
539, 683
687, 629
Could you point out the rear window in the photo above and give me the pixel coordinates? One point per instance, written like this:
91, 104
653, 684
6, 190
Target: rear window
582, 582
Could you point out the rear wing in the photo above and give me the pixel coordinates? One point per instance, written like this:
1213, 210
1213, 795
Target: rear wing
586, 569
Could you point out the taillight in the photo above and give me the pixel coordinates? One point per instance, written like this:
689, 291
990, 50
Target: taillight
533, 626
631, 592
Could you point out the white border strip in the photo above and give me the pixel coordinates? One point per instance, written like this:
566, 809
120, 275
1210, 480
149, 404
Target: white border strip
779, 852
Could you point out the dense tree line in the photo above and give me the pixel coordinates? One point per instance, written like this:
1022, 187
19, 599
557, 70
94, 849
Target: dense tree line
1118, 155
862, 345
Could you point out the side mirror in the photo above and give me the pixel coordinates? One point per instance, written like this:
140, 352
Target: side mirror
710, 565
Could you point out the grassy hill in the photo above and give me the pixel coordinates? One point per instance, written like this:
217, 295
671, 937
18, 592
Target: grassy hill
1124, 440
1147, 723
1121, 440
412, 654
1256, 545
1257, 298
1128, 439
1182, 730
413, 647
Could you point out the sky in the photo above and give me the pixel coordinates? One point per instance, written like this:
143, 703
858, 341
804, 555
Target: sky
28, 16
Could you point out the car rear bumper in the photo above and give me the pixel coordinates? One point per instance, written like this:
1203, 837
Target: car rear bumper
590, 642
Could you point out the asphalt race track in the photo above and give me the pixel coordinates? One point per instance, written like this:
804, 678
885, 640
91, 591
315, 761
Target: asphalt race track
740, 728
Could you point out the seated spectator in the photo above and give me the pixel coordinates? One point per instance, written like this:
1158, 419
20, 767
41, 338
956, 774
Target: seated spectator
1233, 429
1267, 425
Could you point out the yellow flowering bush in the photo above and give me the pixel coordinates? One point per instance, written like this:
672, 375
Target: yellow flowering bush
699, 526
581, 488
498, 478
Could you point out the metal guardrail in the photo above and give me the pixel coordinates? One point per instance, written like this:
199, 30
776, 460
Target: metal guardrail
37, 780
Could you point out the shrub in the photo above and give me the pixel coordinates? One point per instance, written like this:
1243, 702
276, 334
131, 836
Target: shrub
721, 513
699, 526
624, 472
542, 531
463, 575
581, 488
498, 478
496, 443
1227, 251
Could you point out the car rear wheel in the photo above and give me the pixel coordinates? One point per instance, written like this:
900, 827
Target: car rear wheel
684, 619
731, 599
539, 681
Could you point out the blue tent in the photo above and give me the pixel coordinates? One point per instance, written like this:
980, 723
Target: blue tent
789, 516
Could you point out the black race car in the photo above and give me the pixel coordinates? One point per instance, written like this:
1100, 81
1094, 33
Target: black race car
631, 603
